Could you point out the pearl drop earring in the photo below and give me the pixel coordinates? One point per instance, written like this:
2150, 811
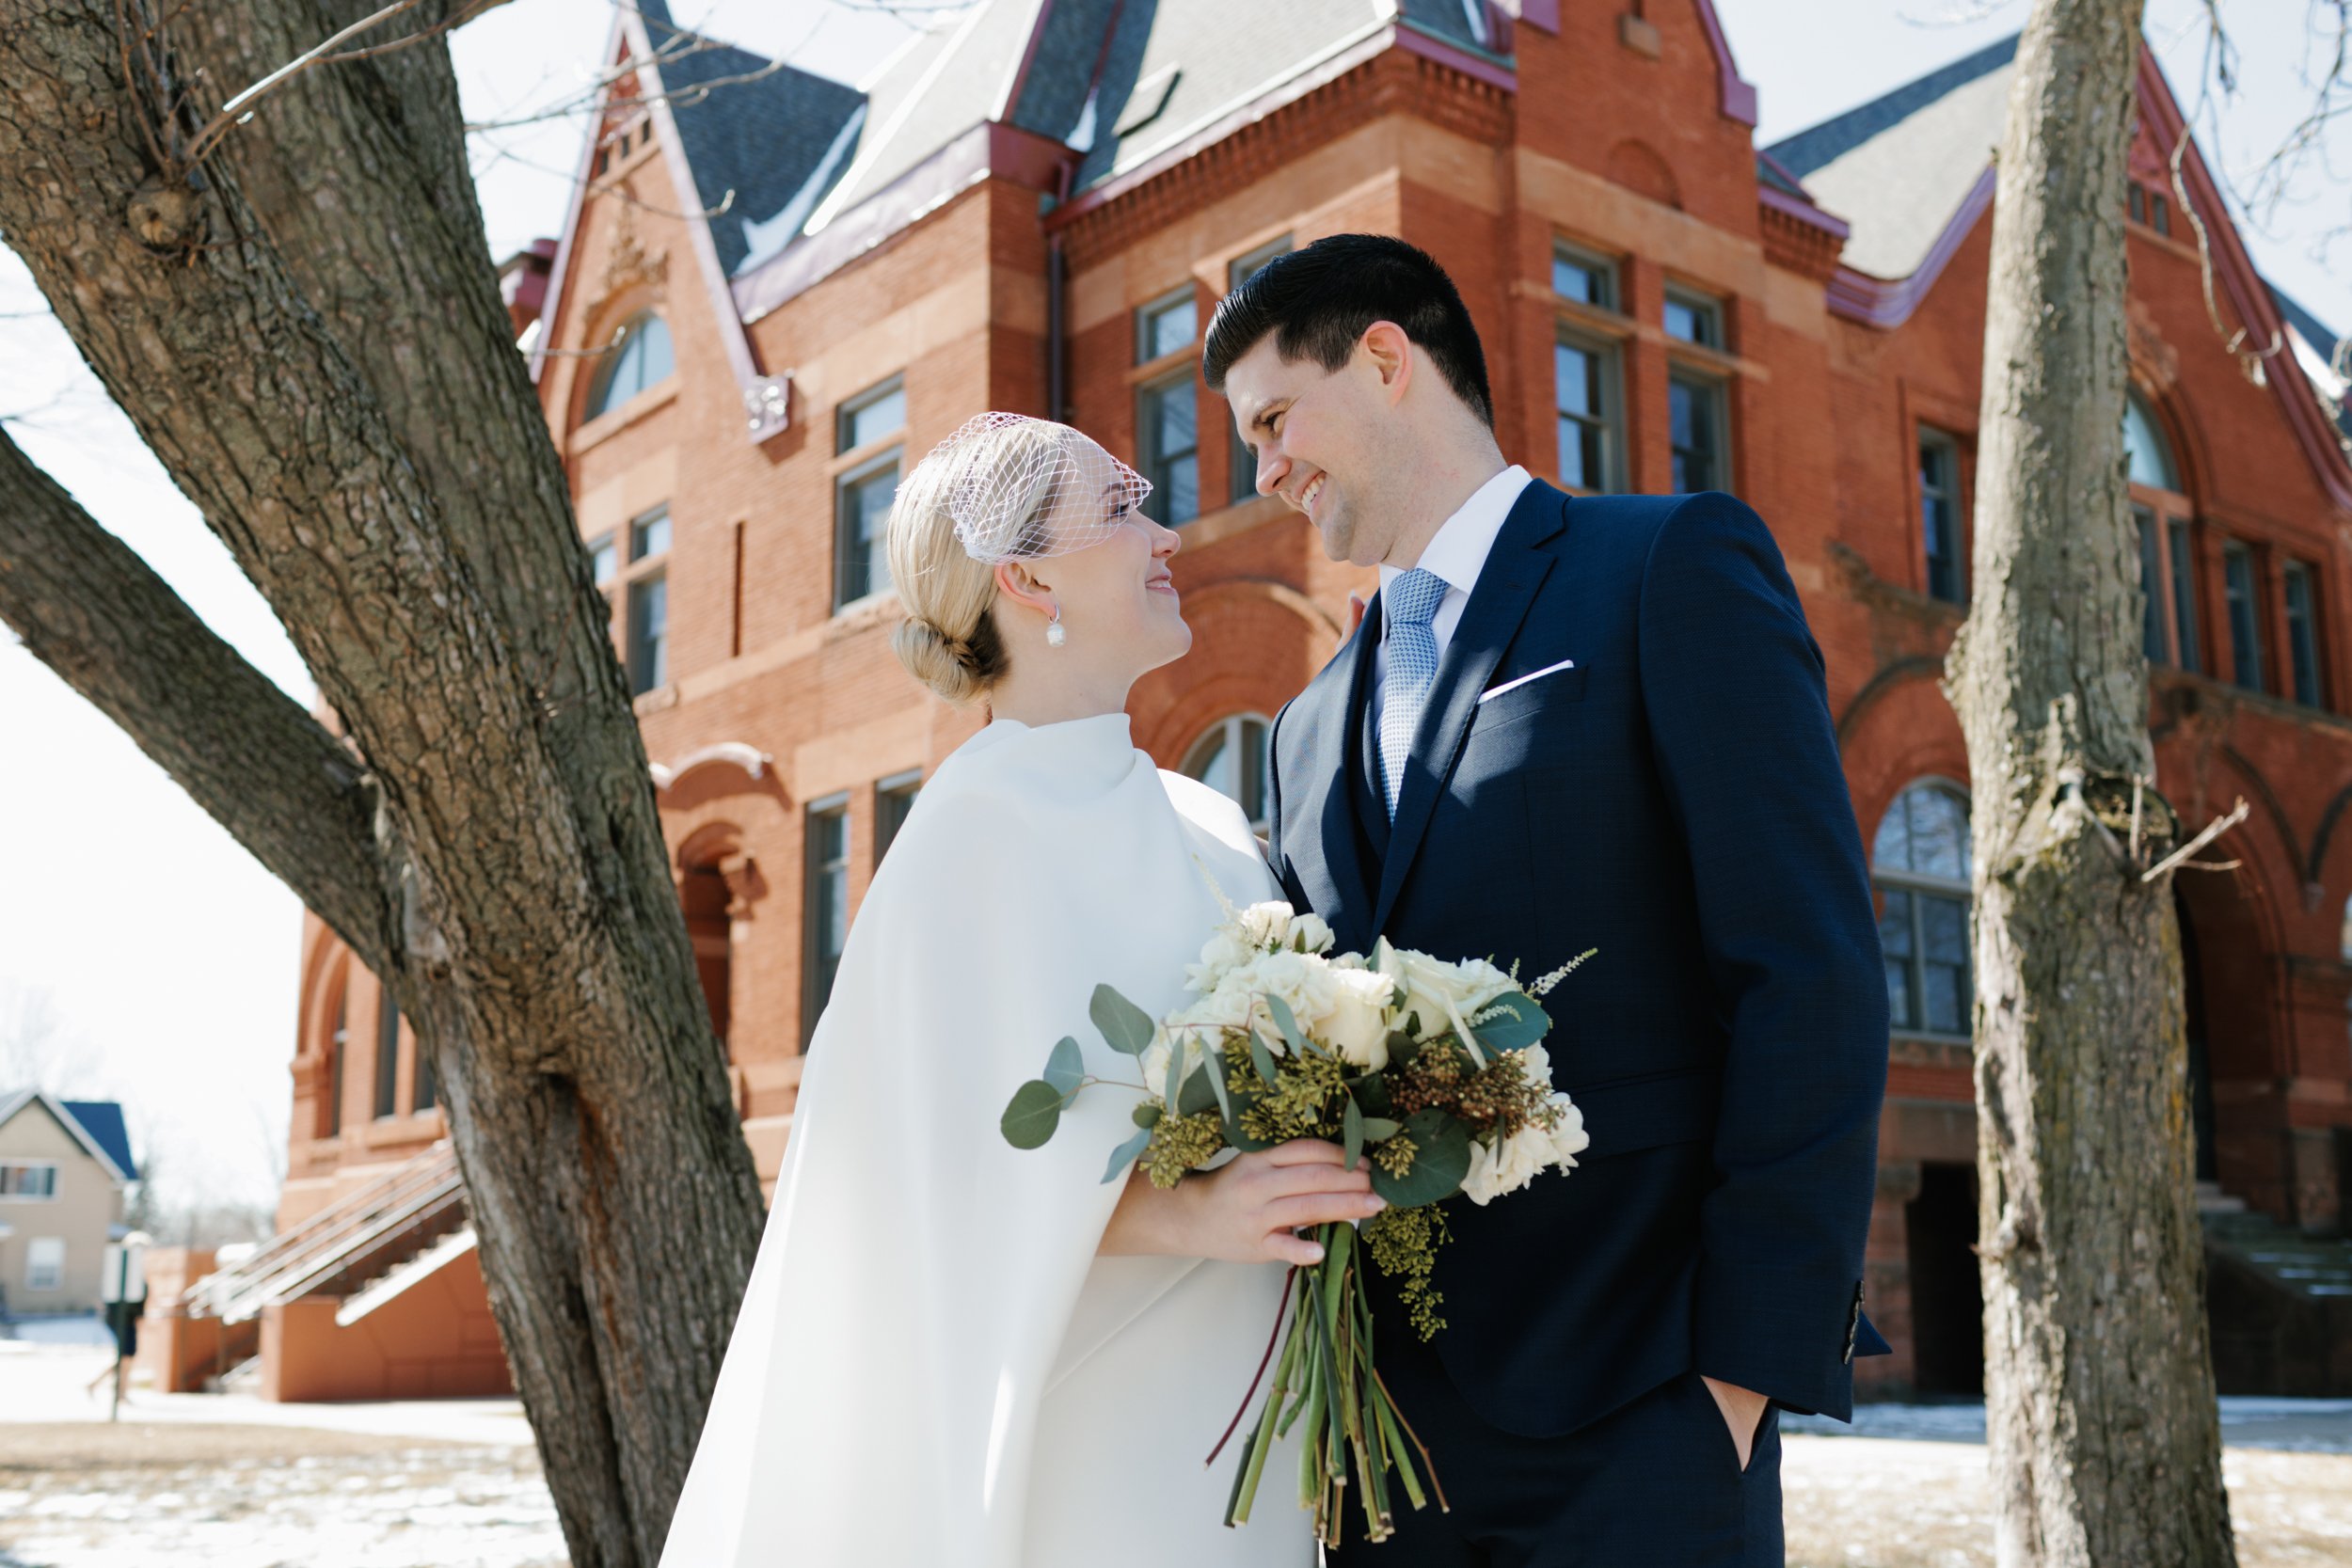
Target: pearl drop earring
1055, 635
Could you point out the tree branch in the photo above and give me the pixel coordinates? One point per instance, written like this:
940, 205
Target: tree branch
91, 610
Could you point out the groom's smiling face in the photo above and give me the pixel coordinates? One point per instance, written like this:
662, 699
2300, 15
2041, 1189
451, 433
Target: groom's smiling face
1316, 436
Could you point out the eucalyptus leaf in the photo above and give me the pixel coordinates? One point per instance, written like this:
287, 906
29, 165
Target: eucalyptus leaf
1522, 1026
1441, 1156
1372, 1094
1124, 1155
1263, 1059
1213, 1065
1352, 1133
1126, 1027
1197, 1095
1403, 1047
1065, 1068
1286, 1022
1146, 1115
1033, 1113
1380, 1130
1175, 1077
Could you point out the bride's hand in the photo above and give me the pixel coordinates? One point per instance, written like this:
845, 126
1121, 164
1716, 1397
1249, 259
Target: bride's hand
1246, 1210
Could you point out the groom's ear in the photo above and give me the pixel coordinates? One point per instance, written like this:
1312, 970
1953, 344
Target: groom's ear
1390, 352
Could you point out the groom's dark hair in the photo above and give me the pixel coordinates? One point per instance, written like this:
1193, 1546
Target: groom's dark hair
1318, 302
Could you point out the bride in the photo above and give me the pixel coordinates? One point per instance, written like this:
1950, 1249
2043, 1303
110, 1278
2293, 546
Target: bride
952, 1352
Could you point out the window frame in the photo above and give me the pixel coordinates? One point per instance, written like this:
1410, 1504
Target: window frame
1952, 493
2248, 656
1717, 390
1592, 260
29, 1163
34, 1247
847, 481
814, 998
1705, 308
1231, 732
894, 798
1151, 310
648, 662
1916, 885
2306, 666
1154, 463
845, 413
599, 401
1610, 422
387, 1101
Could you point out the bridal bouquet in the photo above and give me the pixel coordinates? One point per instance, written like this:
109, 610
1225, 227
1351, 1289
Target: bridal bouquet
1431, 1071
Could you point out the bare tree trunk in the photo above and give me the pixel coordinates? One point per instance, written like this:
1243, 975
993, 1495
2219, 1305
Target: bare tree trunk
2105, 1442
305, 327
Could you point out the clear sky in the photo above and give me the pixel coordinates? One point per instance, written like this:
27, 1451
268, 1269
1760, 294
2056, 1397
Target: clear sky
168, 955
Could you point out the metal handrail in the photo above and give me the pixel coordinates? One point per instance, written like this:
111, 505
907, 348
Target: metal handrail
328, 1241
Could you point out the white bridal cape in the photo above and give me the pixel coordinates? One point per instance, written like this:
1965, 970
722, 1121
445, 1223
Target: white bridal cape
931, 1369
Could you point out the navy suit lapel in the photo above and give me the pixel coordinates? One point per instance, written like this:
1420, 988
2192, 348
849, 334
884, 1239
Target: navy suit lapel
1325, 852
1515, 569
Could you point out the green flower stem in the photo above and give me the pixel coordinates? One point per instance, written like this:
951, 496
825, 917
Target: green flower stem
1375, 1487
1246, 1475
1396, 1443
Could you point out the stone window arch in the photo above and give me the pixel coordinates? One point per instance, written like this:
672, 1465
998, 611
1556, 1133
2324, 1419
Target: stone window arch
642, 355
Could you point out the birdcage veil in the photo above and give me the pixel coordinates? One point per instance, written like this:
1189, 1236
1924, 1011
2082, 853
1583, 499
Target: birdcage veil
1021, 488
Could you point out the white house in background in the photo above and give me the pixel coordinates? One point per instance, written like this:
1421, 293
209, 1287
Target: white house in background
64, 1164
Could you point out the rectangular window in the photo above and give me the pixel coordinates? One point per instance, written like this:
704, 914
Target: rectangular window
861, 535
2162, 212
872, 416
1694, 417
648, 633
649, 535
605, 557
1939, 515
1693, 319
1244, 474
335, 1090
894, 798
428, 1087
1586, 278
1168, 436
28, 1179
2150, 587
2246, 643
1165, 325
2183, 594
2137, 200
2302, 634
1584, 389
387, 1054
826, 922
44, 1263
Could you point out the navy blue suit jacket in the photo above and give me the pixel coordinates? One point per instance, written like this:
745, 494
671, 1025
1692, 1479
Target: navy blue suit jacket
1674, 800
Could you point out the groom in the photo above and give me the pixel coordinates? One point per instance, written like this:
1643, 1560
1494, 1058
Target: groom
1568, 723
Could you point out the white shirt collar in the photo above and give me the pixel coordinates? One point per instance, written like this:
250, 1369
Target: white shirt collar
1459, 549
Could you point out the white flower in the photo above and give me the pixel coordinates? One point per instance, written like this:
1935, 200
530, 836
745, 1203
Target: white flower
1569, 1137
1535, 1062
1153, 1062
1508, 1165
1309, 934
1442, 993
1357, 1024
1264, 926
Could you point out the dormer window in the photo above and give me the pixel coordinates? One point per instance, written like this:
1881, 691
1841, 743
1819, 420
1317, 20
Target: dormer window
639, 357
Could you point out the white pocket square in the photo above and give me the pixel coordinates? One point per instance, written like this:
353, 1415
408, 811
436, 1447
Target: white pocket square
1509, 685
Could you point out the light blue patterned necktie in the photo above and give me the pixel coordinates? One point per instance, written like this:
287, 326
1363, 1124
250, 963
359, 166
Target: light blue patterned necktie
1412, 604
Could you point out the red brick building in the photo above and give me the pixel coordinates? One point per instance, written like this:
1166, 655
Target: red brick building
773, 297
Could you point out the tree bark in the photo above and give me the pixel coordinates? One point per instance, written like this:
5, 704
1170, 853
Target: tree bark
2099, 1410
307, 332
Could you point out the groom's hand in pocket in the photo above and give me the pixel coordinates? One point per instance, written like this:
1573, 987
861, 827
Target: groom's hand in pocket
1743, 1411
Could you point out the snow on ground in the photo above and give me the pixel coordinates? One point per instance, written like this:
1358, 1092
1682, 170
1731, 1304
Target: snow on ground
204, 1481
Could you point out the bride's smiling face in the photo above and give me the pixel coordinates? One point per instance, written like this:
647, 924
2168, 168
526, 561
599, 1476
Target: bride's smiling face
1119, 600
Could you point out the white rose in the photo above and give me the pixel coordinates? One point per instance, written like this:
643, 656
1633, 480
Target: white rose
1508, 1165
1266, 926
1357, 1024
1536, 1063
1305, 983
1309, 934
1567, 1137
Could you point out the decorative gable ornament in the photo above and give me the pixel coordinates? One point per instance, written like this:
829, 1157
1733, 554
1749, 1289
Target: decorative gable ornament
627, 263
768, 406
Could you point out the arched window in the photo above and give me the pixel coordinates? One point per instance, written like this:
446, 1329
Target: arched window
1231, 759
1920, 864
338, 1046
2151, 454
639, 358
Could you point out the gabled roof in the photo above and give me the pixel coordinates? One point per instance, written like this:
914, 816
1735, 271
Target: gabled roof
756, 132
1900, 167
2317, 353
95, 1124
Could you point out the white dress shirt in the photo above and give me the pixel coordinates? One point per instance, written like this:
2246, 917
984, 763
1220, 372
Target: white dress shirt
1458, 553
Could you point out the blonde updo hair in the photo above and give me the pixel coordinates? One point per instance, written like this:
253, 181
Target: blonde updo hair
949, 640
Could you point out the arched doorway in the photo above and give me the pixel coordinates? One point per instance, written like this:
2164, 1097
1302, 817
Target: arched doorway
2201, 1112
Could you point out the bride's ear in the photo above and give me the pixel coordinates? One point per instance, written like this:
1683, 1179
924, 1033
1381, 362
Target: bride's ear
1018, 585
